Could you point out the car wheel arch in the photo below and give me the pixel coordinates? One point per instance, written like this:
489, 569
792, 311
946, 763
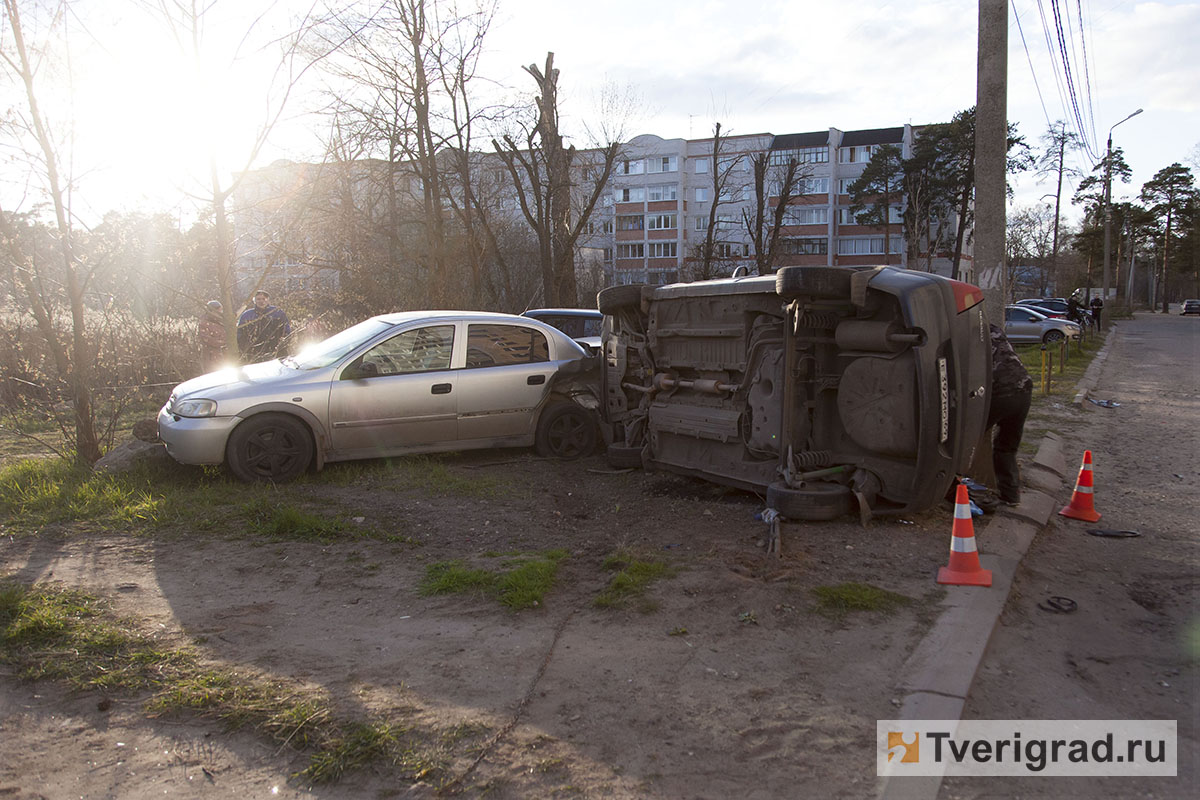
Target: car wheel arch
318, 432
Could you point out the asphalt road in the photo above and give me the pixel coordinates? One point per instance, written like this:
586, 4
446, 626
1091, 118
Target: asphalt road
1130, 650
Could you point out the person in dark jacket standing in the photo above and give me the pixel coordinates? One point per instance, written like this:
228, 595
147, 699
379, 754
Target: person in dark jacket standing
1012, 391
261, 330
1097, 309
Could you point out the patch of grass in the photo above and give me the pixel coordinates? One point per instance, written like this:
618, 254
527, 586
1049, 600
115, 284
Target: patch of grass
527, 582
51, 633
452, 577
276, 518
1062, 382
40, 491
843, 598
522, 582
428, 474
633, 576
60, 634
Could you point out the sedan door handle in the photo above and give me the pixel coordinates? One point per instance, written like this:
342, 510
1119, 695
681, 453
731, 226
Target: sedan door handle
440, 388
536, 380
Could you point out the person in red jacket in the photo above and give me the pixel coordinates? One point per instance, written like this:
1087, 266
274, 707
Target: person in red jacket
212, 337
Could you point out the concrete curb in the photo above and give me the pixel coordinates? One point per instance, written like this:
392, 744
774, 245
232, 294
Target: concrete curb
1091, 375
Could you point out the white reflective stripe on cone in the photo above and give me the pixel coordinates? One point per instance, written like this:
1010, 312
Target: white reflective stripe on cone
1084, 489
962, 512
961, 544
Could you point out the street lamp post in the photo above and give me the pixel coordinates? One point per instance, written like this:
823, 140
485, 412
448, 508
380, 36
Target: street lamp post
1108, 222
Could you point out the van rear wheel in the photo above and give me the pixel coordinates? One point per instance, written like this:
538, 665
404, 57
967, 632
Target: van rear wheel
818, 501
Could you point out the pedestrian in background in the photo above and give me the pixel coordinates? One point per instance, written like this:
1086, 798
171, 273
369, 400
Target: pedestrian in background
1012, 391
211, 333
262, 328
1097, 309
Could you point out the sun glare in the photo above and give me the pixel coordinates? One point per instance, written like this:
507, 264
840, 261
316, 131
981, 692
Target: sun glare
149, 116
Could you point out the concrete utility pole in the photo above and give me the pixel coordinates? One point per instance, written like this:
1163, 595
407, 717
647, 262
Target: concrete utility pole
991, 152
1105, 311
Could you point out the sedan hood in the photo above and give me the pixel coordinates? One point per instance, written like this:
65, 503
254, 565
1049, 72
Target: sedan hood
233, 379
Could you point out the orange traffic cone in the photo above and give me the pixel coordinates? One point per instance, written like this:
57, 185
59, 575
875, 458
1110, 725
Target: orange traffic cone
1081, 506
964, 568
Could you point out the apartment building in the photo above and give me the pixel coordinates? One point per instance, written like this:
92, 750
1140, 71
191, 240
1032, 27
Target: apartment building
652, 219
660, 206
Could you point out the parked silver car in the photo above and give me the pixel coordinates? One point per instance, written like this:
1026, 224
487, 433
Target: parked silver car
1026, 325
414, 382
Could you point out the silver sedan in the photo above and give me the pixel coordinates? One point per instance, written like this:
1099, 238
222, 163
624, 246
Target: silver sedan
415, 382
1025, 325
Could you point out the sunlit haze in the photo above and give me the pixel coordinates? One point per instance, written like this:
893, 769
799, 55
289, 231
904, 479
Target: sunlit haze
148, 116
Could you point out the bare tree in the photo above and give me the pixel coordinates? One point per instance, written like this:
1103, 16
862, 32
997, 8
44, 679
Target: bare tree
765, 222
186, 21
1056, 142
74, 357
542, 172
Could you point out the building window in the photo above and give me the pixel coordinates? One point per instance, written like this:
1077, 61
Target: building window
662, 164
806, 247
608, 255
701, 223
803, 155
846, 217
867, 246
666, 191
726, 221
806, 215
630, 194
660, 222
701, 165
631, 251
731, 249
608, 226
813, 186
631, 167
663, 249
701, 194
635, 222
856, 155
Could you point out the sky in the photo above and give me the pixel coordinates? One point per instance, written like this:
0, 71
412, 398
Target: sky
782, 66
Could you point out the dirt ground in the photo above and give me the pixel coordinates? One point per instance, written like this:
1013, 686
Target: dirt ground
731, 685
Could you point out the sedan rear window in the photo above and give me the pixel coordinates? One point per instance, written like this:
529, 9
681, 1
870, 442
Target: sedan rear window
491, 345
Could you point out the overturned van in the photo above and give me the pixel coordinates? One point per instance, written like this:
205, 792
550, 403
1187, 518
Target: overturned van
831, 388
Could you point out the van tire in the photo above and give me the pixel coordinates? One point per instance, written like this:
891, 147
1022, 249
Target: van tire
817, 501
615, 299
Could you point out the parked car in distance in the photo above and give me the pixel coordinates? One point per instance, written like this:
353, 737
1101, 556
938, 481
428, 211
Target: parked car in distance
581, 324
1190, 307
413, 382
828, 388
1052, 307
1024, 324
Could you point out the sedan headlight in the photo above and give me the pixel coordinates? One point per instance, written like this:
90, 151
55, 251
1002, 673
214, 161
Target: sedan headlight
195, 408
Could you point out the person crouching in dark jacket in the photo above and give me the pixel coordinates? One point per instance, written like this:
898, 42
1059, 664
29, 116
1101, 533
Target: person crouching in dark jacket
1012, 391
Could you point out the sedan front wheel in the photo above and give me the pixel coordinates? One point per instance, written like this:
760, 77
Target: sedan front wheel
1053, 336
269, 447
565, 431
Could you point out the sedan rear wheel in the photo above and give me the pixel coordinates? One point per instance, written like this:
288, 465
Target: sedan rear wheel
269, 447
565, 431
1053, 336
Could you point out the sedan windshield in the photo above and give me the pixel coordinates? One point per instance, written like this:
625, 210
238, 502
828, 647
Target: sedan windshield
331, 350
